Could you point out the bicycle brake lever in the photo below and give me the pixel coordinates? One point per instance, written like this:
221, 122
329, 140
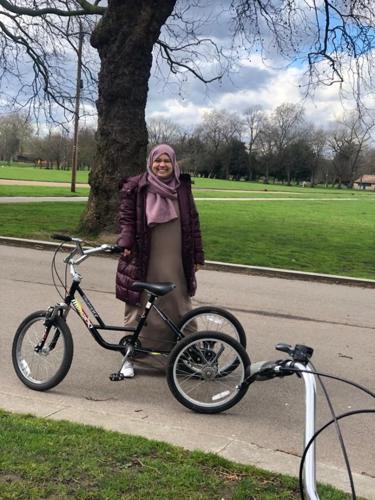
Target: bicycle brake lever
285, 348
300, 353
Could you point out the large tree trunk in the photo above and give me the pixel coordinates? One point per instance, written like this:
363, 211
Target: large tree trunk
124, 38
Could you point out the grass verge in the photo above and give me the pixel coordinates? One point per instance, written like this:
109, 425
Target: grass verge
40, 220
332, 237
48, 459
39, 174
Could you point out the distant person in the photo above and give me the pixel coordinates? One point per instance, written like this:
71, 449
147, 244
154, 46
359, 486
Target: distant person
161, 237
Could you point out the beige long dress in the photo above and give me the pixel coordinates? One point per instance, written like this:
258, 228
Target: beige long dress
165, 264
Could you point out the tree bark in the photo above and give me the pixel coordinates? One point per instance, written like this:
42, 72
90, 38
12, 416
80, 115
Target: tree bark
124, 38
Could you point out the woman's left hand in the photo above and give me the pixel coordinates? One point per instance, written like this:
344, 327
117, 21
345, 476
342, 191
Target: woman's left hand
197, 267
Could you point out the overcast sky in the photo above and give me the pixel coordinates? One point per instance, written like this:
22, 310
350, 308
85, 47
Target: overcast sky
268, 81
253, 84
254, 79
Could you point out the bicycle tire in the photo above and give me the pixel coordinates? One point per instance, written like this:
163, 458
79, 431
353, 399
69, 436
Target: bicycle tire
196, 381
213, 319
44, 370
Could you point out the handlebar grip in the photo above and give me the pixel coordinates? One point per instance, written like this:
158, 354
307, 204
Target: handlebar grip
61, 237
116, 249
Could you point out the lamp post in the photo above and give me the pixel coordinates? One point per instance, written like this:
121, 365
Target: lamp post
76, 111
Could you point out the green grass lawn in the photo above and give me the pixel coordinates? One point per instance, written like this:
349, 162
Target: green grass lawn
46, 459
332, 237
202, 183
28, 172
40, 220
39, 174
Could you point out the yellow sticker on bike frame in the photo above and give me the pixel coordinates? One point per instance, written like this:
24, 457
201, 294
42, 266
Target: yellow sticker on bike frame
78, 307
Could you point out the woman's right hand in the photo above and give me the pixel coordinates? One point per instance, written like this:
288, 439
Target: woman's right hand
126, 252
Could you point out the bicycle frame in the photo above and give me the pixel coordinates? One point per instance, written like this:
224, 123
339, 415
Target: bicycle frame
94, 329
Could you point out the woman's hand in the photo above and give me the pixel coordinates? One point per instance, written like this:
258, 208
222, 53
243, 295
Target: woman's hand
197, 267
126, 252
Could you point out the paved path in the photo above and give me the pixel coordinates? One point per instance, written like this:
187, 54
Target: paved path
14, 182
276, 199
41, 199
266, 427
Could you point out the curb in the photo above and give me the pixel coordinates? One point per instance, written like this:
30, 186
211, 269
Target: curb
222, 266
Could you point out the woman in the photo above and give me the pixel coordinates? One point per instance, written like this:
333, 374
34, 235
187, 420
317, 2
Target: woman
161, 238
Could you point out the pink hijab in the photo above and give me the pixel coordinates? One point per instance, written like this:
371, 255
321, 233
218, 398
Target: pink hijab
161, 194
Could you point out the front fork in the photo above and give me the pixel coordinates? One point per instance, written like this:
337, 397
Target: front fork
58, 310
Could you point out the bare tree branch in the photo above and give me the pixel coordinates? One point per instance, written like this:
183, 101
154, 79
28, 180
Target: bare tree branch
36, 59
87, 8
337, 37
168, 53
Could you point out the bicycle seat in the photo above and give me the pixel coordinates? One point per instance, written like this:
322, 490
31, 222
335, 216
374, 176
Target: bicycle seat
154, 288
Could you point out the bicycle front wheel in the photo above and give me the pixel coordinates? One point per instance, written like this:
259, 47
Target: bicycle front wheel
42, 357
213, 319
198, 374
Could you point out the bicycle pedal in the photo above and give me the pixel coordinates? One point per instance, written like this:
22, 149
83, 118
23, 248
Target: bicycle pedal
116, 377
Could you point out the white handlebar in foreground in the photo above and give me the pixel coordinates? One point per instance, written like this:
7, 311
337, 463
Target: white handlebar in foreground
309, 472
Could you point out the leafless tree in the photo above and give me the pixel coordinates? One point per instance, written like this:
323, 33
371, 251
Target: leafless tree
348, 144
266, 146
317, 138
87, 145
254, 120
368, 166
38, 38
53, 149
15, 131
286, 122
163, 130
219, 127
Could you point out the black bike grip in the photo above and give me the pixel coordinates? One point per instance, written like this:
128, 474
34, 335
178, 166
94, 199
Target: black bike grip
116, 249
61, 237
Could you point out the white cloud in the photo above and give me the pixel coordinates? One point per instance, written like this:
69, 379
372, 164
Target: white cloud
253, 83
184, 113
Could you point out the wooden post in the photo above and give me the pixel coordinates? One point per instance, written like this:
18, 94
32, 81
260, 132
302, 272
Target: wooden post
76, 112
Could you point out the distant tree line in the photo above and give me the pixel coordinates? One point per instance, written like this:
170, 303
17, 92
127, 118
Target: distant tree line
20, 142
281, 146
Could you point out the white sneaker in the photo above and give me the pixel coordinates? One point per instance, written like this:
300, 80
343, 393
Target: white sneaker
127, 370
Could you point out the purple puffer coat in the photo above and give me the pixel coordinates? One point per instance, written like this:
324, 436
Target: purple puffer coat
135, 235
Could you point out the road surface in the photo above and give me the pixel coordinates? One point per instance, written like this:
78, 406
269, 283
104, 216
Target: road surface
266, 427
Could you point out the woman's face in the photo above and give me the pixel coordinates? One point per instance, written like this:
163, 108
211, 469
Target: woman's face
162, 166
